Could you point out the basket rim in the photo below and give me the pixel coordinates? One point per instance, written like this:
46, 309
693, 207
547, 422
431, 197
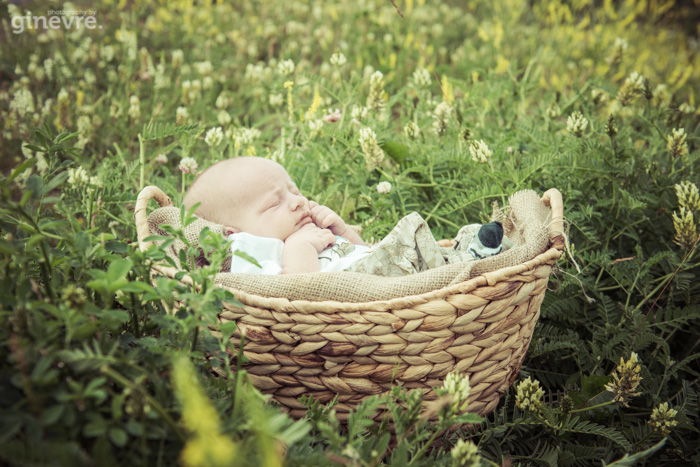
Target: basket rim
552, 198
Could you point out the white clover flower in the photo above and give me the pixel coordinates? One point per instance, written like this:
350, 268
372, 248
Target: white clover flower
465, 454
188, 165
90, 77
204, 68
79, 56
457, 385
618, 51
49, 67
338, 59
686, 231
371, 150
686, 108
375, 98
130, 42
480, 152
421, 78
23, 102
161, 158
635, 81
78, 177
529, 395
107, 53
384, 187
598, 96
223, 117
84, 128
625, 379
63, 111
663, 418
411, 130
441, 114
553, 110
632, 87
41, 164
359, 113
14, 11
182, 115
161, 80
621, 44
285, 67
661, 96
246, 136
576, 123
214, 137
221, 101
254, 73
276, 100
178, 57
315, 126
676, 142
688, 196
134, 107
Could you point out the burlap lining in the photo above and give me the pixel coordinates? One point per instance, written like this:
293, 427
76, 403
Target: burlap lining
525, 221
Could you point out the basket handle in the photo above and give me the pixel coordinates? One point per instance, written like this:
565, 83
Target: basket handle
553, 198
141, 216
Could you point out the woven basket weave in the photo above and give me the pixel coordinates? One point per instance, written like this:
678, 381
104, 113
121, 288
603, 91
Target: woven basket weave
481, 327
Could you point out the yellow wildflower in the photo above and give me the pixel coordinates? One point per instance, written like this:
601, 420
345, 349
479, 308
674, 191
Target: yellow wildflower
625, 380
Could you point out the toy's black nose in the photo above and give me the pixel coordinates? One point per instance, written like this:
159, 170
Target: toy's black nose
491, 234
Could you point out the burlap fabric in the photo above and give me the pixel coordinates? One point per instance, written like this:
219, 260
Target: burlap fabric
526, 222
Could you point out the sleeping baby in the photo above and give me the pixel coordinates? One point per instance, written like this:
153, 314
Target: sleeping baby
276, 230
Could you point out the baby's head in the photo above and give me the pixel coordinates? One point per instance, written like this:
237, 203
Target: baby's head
252, 195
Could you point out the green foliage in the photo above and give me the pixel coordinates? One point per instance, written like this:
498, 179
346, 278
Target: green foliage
90, 116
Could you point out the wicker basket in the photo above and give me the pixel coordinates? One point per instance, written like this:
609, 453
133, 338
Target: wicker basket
481, 327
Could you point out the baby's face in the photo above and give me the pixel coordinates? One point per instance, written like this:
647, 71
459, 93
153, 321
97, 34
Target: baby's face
271, 205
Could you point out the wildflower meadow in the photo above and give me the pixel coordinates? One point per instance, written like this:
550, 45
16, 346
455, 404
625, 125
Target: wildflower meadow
376, 108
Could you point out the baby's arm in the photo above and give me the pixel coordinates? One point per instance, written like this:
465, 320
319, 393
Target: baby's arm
301, 249
325, 218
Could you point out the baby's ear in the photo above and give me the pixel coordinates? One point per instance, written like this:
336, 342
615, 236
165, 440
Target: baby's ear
231, 230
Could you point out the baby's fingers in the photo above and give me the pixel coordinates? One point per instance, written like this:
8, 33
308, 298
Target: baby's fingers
328, 237
320, 215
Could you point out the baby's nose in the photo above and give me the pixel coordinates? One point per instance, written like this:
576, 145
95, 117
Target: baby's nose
299, 201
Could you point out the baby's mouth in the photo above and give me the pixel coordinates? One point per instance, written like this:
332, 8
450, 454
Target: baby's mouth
305, 219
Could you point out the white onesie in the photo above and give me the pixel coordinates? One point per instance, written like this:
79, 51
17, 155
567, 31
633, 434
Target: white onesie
268, 253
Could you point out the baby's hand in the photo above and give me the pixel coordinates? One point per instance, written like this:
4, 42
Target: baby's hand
317, 237
326, 218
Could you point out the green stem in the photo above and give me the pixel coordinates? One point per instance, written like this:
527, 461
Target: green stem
661, 133
142, 162
629, 294
46, 271
425, 446
666, 278
597, 406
